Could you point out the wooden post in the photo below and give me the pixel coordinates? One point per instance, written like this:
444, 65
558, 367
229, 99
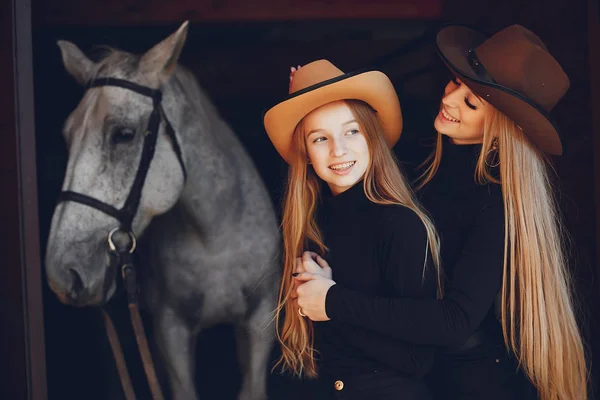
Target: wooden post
21, 309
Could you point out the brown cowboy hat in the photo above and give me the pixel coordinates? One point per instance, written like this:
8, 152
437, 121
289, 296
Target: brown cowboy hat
321, 82
513, 71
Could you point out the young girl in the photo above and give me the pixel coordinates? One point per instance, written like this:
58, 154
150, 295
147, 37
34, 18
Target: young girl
347, 200
488, 189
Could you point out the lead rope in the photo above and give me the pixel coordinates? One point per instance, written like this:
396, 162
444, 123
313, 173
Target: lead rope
129, 275
131, 287
115, 345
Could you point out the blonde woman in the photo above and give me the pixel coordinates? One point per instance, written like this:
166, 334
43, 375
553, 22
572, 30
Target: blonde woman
347, 200
488, 190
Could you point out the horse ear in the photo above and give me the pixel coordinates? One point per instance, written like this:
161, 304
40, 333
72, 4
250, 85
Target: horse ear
77, 64
163, 57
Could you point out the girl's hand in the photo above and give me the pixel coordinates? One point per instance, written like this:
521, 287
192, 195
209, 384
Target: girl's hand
298, 269
311, 295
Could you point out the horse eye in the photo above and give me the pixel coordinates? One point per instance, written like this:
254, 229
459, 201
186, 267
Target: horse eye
123, 135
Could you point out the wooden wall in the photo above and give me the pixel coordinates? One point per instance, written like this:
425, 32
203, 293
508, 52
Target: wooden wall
138, 12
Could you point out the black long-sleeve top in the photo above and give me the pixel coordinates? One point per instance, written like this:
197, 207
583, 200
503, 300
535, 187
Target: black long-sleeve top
374, 250
470, 220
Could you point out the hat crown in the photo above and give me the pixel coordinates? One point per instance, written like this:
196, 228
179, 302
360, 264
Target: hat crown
319, 83
314, 73
514, 72
517, 59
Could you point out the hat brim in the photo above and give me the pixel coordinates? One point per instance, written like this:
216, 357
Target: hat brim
372, 87
453, 44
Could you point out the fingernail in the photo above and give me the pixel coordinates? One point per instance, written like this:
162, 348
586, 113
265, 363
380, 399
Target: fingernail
295, 274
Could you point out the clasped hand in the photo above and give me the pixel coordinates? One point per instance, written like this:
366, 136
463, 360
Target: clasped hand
312, 280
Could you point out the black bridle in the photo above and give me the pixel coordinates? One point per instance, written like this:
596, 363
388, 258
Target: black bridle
125, 216
127, 213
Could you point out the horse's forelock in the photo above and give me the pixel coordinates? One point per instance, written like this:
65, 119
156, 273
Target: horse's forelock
115, 63
109, 62
89, 111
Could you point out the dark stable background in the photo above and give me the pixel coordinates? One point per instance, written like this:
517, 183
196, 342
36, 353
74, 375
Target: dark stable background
244, 67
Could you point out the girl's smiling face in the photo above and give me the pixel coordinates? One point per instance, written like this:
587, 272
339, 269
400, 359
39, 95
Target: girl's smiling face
337, 149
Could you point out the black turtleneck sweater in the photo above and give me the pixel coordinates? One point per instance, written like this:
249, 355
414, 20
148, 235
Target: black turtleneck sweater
470, 220
374, 250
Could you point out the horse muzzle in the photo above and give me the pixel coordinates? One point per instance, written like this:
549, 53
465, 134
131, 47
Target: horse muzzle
77, 289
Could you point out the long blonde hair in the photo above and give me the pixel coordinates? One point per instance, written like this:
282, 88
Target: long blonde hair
538, 316
383, 184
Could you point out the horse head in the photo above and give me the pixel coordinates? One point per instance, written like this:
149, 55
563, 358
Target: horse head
125, 165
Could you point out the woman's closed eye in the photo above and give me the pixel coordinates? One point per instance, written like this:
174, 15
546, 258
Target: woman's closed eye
471, 106
458, 82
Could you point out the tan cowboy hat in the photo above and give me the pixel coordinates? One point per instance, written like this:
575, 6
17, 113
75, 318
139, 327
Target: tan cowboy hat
321, 82
513, 71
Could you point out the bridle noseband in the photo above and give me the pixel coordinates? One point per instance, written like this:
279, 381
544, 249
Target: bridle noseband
126, 214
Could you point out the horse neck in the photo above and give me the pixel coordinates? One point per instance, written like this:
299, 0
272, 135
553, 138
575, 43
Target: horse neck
218, 168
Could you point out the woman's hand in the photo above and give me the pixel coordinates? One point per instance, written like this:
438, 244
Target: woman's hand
312, 292
292, 72
312, 263
315, 264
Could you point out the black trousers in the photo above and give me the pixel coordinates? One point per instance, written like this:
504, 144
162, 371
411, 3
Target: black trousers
382, 385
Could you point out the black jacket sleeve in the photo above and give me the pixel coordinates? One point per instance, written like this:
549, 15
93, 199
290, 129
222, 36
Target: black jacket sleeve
402, 248
450, 321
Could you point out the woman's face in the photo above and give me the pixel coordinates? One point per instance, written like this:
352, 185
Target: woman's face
461, 114
337, 149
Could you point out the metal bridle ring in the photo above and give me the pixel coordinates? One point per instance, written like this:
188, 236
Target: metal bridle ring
111, 243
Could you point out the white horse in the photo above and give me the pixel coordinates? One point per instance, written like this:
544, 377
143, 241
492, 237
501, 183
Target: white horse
209, 241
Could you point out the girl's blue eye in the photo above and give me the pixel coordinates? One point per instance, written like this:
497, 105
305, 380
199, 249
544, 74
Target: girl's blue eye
319, 139
353, 131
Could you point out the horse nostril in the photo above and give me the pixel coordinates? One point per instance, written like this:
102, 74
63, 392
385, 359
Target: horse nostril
77, 286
